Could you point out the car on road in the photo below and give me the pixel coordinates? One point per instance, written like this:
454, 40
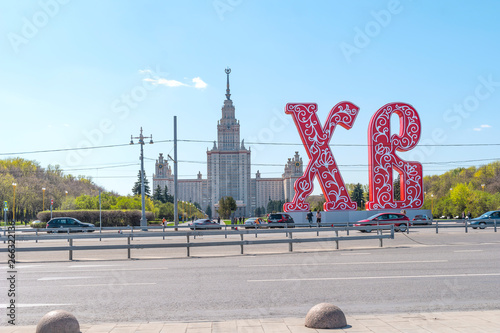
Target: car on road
204, 224
281, 218
399, 220
421, 219
255, 222
486, 219
64, 224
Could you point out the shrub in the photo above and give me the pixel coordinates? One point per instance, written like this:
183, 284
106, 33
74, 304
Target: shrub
38, 224
109, 218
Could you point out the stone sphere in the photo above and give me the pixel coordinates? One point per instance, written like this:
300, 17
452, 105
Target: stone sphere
58, 321
325, 315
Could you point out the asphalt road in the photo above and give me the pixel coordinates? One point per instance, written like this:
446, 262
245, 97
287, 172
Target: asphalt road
419, 272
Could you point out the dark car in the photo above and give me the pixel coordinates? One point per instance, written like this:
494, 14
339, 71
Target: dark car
421, 219
254, 222
487, 218
203, 224
400, 221
63, 224
284, 219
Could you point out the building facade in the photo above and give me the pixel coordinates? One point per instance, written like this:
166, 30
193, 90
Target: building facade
229, 172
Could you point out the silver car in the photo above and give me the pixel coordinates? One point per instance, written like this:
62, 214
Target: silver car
203, 224
487, 218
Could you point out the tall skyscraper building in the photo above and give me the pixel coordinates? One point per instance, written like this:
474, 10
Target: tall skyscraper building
229, 172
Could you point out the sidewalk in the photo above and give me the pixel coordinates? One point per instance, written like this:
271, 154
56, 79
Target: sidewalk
442, 322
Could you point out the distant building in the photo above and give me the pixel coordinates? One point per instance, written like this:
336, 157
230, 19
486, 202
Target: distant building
229, 172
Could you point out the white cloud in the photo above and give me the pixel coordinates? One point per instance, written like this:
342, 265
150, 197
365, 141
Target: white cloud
480, 128
165, 82
198, 83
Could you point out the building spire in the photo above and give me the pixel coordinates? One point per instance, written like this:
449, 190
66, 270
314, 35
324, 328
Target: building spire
228, 94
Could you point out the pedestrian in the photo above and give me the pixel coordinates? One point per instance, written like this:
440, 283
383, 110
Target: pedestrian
469, 215
164, 222
318, 216
310, 217
218, 219
463, 215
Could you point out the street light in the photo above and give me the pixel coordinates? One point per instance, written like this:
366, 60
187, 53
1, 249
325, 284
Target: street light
14, 204
144, 221
432, 204
43, 200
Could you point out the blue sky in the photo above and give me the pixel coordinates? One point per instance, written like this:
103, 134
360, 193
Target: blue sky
91, 73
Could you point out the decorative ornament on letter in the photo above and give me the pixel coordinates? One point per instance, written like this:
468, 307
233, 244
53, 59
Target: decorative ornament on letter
322, 164
382, 159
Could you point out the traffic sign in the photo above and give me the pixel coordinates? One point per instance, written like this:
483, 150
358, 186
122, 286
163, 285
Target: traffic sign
51, 202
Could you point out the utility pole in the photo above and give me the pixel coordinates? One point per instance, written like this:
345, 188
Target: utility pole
144, 221
176, 214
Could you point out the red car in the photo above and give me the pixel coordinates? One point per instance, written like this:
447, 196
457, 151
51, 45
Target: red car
400, 221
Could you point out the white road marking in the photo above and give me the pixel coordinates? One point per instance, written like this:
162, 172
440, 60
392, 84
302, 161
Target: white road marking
102, 270
64, 278
355, 254
20, 305
351, 263
460, 251
379, 277
108, 284
85, 266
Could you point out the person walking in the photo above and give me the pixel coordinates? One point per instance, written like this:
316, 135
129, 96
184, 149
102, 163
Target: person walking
309, 218
218, 219
318, 216
164, 222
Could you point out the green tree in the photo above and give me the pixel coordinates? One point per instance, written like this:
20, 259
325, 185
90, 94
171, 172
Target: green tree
166, 196
357, 195
397, 188
158, 195
136, 190
209, 211
227, 205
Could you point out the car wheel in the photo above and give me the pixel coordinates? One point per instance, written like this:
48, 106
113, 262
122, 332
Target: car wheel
402, 227
482, 225
474, 227
368, 229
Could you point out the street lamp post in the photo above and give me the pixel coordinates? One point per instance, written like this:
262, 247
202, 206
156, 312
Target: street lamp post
144, 221
432, 204
14, 203
43, 199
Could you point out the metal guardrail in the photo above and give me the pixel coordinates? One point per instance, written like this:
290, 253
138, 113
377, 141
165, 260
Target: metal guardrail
289, 232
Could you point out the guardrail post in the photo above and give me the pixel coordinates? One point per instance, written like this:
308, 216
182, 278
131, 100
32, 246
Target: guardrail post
495, 224
347, 229
392, 231
408, 228
437, 226
381, 244
163, 231
36, 231
290, 245
241, 237
187, 245
68, 235
128, 248
132, 228
466, 230
225, 231
317, 231
70, 251
337, 241
286, 229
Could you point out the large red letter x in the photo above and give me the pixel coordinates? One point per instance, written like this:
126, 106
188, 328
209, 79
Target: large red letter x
321, 162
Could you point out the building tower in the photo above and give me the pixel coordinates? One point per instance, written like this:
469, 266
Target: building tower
228, 162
